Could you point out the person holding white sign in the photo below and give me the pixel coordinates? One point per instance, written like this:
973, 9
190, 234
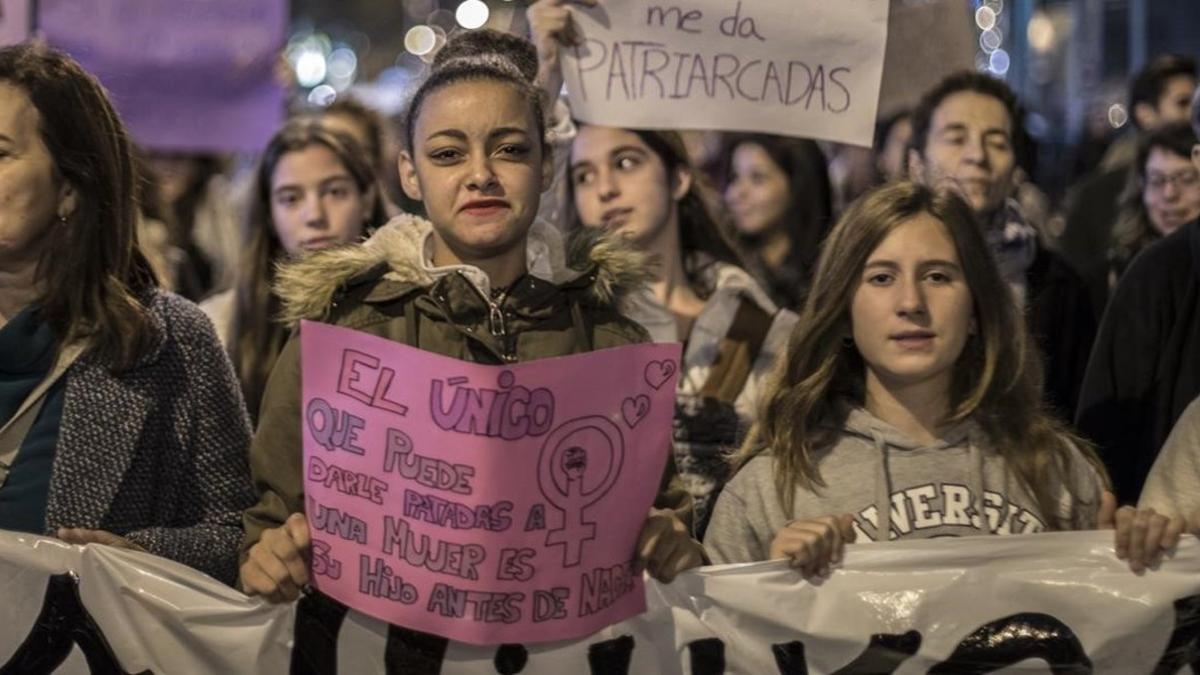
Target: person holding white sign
480, 281
641, 185
909, 406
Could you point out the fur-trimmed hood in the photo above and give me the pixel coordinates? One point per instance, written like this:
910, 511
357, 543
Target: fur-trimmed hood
307, 286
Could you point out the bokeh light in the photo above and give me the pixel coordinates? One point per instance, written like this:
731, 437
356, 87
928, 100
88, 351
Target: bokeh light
420, 40
1040, 32
322, 95
1117, 116
990, 40
985, 18
471, 13
310, 68
999, 62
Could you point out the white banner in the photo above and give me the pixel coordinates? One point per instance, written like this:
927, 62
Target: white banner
798, 68
1036, 603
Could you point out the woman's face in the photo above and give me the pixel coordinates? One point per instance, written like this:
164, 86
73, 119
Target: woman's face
31, 198
912, 311
1171, 192
315, 202
622, 185
478, 166
758, 195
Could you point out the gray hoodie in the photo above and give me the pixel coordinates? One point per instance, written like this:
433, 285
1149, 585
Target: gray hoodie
933, 491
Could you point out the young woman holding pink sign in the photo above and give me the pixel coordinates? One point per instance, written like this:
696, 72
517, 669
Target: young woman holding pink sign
480, 280
910, 407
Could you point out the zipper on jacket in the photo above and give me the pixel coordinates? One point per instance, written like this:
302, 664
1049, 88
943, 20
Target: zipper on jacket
496, 320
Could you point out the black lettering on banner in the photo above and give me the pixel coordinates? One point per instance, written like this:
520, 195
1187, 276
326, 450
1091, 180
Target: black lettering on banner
1006, 641
62, 624
707, 656
1184, 646
884, 654
611, 657
510, 659
789, 658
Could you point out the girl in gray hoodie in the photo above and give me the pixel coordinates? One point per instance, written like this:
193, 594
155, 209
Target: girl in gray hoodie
909, 406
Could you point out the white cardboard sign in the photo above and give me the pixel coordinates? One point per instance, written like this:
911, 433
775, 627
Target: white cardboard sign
792, 67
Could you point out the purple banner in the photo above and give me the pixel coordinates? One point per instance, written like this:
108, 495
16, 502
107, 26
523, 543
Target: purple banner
186, 75
14, 21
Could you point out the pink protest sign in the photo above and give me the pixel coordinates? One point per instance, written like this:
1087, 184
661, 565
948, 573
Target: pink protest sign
487, 504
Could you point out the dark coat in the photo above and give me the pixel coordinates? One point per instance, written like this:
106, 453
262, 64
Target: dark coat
157, 454
1145, 367
1063, 322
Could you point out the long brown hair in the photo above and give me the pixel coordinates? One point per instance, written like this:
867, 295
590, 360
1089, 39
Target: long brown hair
95, 277
702, 227
810, 192
256, 338
997, 378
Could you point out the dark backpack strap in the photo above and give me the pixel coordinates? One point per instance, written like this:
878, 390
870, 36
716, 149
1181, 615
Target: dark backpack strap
737, 352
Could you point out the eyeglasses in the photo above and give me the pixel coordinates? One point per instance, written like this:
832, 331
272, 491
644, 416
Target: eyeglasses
1157, 182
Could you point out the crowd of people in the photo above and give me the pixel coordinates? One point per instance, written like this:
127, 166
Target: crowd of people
916, 358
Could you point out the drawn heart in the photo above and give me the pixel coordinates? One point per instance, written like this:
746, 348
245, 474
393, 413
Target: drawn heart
635, 409
658, 372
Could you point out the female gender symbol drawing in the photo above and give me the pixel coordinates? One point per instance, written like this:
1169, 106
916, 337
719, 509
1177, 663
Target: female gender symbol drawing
579, 464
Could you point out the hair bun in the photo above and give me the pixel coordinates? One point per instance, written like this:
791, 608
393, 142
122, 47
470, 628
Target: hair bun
490, 47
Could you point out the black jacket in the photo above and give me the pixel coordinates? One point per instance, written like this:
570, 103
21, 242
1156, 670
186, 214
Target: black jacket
1063, 322
1145, 367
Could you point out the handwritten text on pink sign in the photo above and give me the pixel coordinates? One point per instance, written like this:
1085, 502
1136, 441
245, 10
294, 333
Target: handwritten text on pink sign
487, 504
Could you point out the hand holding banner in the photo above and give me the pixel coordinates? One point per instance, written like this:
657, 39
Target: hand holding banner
800, 68
487, 504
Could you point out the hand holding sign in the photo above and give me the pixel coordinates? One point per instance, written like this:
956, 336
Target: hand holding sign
551, 28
